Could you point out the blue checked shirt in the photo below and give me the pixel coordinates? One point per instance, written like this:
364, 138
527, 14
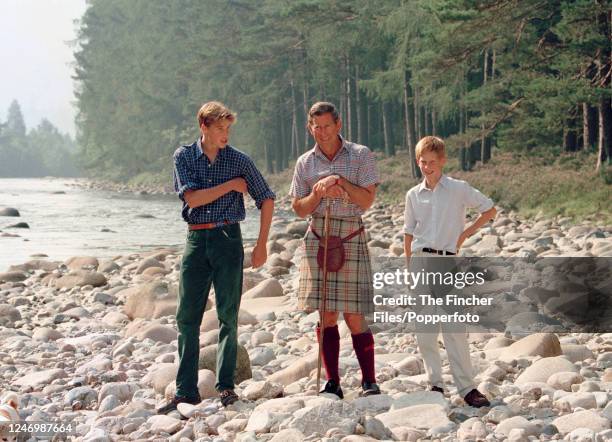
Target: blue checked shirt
193, 171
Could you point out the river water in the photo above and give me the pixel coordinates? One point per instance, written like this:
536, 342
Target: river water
66, 220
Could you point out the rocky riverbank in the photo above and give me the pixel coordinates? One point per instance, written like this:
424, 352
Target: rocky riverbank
93, 343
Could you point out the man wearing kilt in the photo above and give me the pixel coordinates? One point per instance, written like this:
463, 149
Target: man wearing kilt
343, 175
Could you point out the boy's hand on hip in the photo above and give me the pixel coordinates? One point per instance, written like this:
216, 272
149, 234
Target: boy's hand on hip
461, 240
259, 256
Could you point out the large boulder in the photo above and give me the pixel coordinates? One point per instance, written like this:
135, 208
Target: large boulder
20, 225
405, 400
539, 344
329, 414
208, 361
206, 385
564, 380
296, 370
517, 422
543, 369
152, 300
161, 376
81, 262
250, 279
40, 378
297, 228
9, 211
80, 278
148, 263
211, 322
35, 264
265, 289
423, 416
8, 315
123, 391
13, 276
262, 389
577, 352
46, 334
581, 419
163, 424
156, 332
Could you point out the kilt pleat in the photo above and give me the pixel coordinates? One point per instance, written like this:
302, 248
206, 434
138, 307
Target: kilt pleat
350, 289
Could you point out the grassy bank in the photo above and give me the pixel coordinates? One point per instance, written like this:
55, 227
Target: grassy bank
552, 183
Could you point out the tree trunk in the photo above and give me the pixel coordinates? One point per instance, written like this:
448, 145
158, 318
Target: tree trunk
285, 138
279, 147
483, 139
268, 156
387, 128
409, 124
417, 117
349, 101
358, 133
604, 147
434, 123
589, 127
368, 129
464, 154
605, 132
307, 140
569, 135
294, 129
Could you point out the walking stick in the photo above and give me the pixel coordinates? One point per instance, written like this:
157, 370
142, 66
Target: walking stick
324, 294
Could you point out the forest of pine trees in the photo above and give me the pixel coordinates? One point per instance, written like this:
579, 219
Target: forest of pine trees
42, 151
493, 74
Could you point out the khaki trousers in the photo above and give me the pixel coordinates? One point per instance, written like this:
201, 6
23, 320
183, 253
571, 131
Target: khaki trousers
455, 341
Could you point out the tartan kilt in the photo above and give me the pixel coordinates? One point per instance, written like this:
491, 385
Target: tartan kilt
350, 289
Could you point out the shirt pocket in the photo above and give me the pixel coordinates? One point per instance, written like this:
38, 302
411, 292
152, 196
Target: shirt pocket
424, 208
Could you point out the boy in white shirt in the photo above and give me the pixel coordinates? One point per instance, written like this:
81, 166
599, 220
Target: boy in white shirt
434, 225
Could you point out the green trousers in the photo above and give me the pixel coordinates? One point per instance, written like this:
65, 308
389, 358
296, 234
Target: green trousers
212, 256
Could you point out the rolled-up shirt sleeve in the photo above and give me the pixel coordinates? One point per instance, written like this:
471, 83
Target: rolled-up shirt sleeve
299, 188
256, 184
409, 218
473, 198
368, 172
182, 176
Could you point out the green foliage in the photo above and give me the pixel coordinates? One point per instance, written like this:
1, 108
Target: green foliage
497, 73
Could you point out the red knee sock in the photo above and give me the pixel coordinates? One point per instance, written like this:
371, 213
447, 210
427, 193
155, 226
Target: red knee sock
331, 351
363, 344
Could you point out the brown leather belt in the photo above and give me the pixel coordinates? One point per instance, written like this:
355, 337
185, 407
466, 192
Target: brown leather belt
206, 226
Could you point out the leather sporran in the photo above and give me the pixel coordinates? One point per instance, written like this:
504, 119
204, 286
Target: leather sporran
335, 250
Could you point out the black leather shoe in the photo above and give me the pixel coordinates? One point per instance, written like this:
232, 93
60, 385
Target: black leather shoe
228, 397
370, 389
334, 388
437, 389
171, 406
476, 399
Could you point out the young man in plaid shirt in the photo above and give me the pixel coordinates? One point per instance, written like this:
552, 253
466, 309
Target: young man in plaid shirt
342, 174
210, 177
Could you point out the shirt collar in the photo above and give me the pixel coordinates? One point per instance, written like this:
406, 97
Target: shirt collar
200, 150
443, 181
343, 147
